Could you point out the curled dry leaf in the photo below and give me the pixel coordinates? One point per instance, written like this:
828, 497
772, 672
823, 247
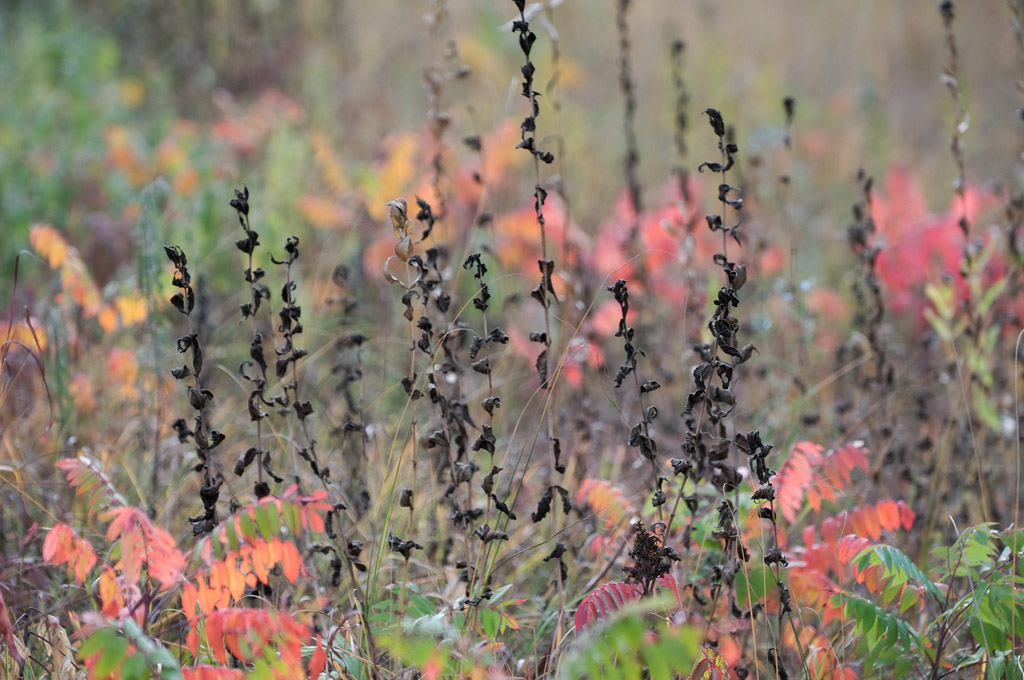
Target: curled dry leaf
403, 249
399, 214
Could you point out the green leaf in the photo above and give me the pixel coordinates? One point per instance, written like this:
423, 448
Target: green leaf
681, 647
993, 292
880, 631
246, 525
229, 530
261, 670
420, 606
262, 521
135, 668
984, 408
890, 591
218, 549
897, 566
168, 664
1005, 666
275, 519
996, 668
489, 621
910, 598
988, 636
112, 655
656, 660
292, 520
97, 641
977, 547
754, 584
591, 664
500, 593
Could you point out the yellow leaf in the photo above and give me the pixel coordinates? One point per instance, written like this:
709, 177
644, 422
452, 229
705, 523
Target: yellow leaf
49, 243
393, 175
23, 333
132, 309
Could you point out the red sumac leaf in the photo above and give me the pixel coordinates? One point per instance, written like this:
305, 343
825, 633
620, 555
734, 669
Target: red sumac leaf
613, 596
605, 600
319, 660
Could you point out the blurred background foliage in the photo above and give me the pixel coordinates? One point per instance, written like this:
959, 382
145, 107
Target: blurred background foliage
126, 124
103, 97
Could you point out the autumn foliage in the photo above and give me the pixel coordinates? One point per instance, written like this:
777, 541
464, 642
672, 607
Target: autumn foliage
526, 341
147, 562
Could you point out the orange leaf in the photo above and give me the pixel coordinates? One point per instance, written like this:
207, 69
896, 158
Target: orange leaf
290, 561
211, 673
811, 473
236, 582
215, 636
56, 543
234, 642
145, 544
850, 546
261, 561
794, 477
888, 515
319, 660
207, 598
315, 521
906, 516
844, 673
830, 530
873, 525
606, 499
813, 499
275, 551
192, 640
223, 598
107, 318
110, 593
63, 546
189, 599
